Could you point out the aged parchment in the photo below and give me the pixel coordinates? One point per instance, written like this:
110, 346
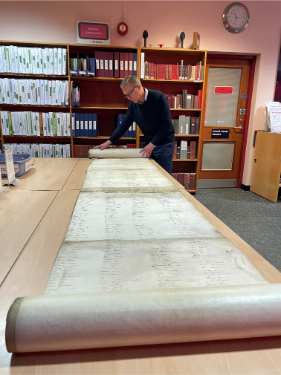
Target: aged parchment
136, 216
122, 180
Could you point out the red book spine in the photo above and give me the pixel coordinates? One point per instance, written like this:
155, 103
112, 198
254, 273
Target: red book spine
122, 64
116, 64
175, 72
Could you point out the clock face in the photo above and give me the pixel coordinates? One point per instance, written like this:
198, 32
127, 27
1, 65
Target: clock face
122, 28
235, 17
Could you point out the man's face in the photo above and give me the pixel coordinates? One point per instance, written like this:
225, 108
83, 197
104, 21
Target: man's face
133, 93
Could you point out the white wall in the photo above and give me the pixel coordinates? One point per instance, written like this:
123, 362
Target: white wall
55, 22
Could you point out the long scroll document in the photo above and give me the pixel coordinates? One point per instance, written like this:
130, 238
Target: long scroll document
139, 267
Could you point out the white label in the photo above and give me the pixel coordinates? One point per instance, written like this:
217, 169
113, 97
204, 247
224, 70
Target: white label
0, 180
9, 165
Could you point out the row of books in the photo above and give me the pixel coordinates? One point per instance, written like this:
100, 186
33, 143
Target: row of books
35, 123
83, 66
56, 124
32, 60
188, 180
185, 150
131, 132
105, 64
20, 123
186, 124
184, 100
34, 92
84, 124
178, 71
42, 150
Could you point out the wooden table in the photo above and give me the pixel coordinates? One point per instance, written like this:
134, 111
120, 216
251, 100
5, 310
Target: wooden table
44, 218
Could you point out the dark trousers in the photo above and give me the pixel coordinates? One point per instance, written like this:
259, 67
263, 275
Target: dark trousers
163, 155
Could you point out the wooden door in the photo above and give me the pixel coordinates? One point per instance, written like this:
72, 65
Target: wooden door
267, 165
224, 122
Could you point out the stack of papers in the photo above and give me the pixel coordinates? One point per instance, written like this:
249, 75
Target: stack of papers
273, 110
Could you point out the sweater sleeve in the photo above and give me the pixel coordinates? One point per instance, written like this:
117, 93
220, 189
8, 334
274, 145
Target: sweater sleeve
164, 121
121, 129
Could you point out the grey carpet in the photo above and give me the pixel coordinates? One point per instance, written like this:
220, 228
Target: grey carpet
254, 219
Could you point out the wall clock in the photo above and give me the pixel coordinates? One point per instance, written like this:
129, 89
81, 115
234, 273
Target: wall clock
236, 17
122, 28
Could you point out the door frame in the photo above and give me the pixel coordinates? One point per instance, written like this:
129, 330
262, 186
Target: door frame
226, 60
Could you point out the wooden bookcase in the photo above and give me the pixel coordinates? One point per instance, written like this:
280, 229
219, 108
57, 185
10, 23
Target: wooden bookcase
93, 75
179, 73
267, 165
100, 94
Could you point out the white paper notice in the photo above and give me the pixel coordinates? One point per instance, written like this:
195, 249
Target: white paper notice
274, 116
9, 165
1, 188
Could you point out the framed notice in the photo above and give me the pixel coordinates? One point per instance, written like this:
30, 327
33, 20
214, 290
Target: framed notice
93, 32
220, 133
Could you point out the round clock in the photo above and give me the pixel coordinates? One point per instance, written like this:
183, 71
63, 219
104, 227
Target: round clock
236, 17
122, 28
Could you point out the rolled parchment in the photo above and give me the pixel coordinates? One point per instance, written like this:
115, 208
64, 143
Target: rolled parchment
53, 323
115, 153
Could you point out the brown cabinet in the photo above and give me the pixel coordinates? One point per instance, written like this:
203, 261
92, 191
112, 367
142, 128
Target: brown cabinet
267, 165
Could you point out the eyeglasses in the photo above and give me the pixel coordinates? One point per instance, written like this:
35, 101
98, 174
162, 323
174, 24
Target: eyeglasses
128, 94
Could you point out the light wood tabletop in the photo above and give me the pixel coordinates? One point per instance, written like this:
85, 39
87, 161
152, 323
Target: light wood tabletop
44, 217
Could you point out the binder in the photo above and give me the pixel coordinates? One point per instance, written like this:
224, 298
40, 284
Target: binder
116, 56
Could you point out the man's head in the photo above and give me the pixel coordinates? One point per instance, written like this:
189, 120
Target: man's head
132, 89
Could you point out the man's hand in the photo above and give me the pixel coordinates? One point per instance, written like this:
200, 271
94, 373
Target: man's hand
147, 150
104, 145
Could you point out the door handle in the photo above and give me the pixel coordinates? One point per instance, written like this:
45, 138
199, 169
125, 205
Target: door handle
237, 129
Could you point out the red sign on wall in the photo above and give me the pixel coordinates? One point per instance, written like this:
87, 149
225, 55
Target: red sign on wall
223, 89
94, 31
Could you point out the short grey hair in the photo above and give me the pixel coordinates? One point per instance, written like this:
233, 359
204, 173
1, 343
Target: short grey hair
130, 81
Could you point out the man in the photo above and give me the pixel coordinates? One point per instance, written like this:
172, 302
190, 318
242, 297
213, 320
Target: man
150, 110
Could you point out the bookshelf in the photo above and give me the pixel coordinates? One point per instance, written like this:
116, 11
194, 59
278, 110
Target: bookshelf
179, 73
69, 97
96, 72
34, 98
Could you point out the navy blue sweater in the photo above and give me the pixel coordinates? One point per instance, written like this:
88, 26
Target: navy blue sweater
153, 117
